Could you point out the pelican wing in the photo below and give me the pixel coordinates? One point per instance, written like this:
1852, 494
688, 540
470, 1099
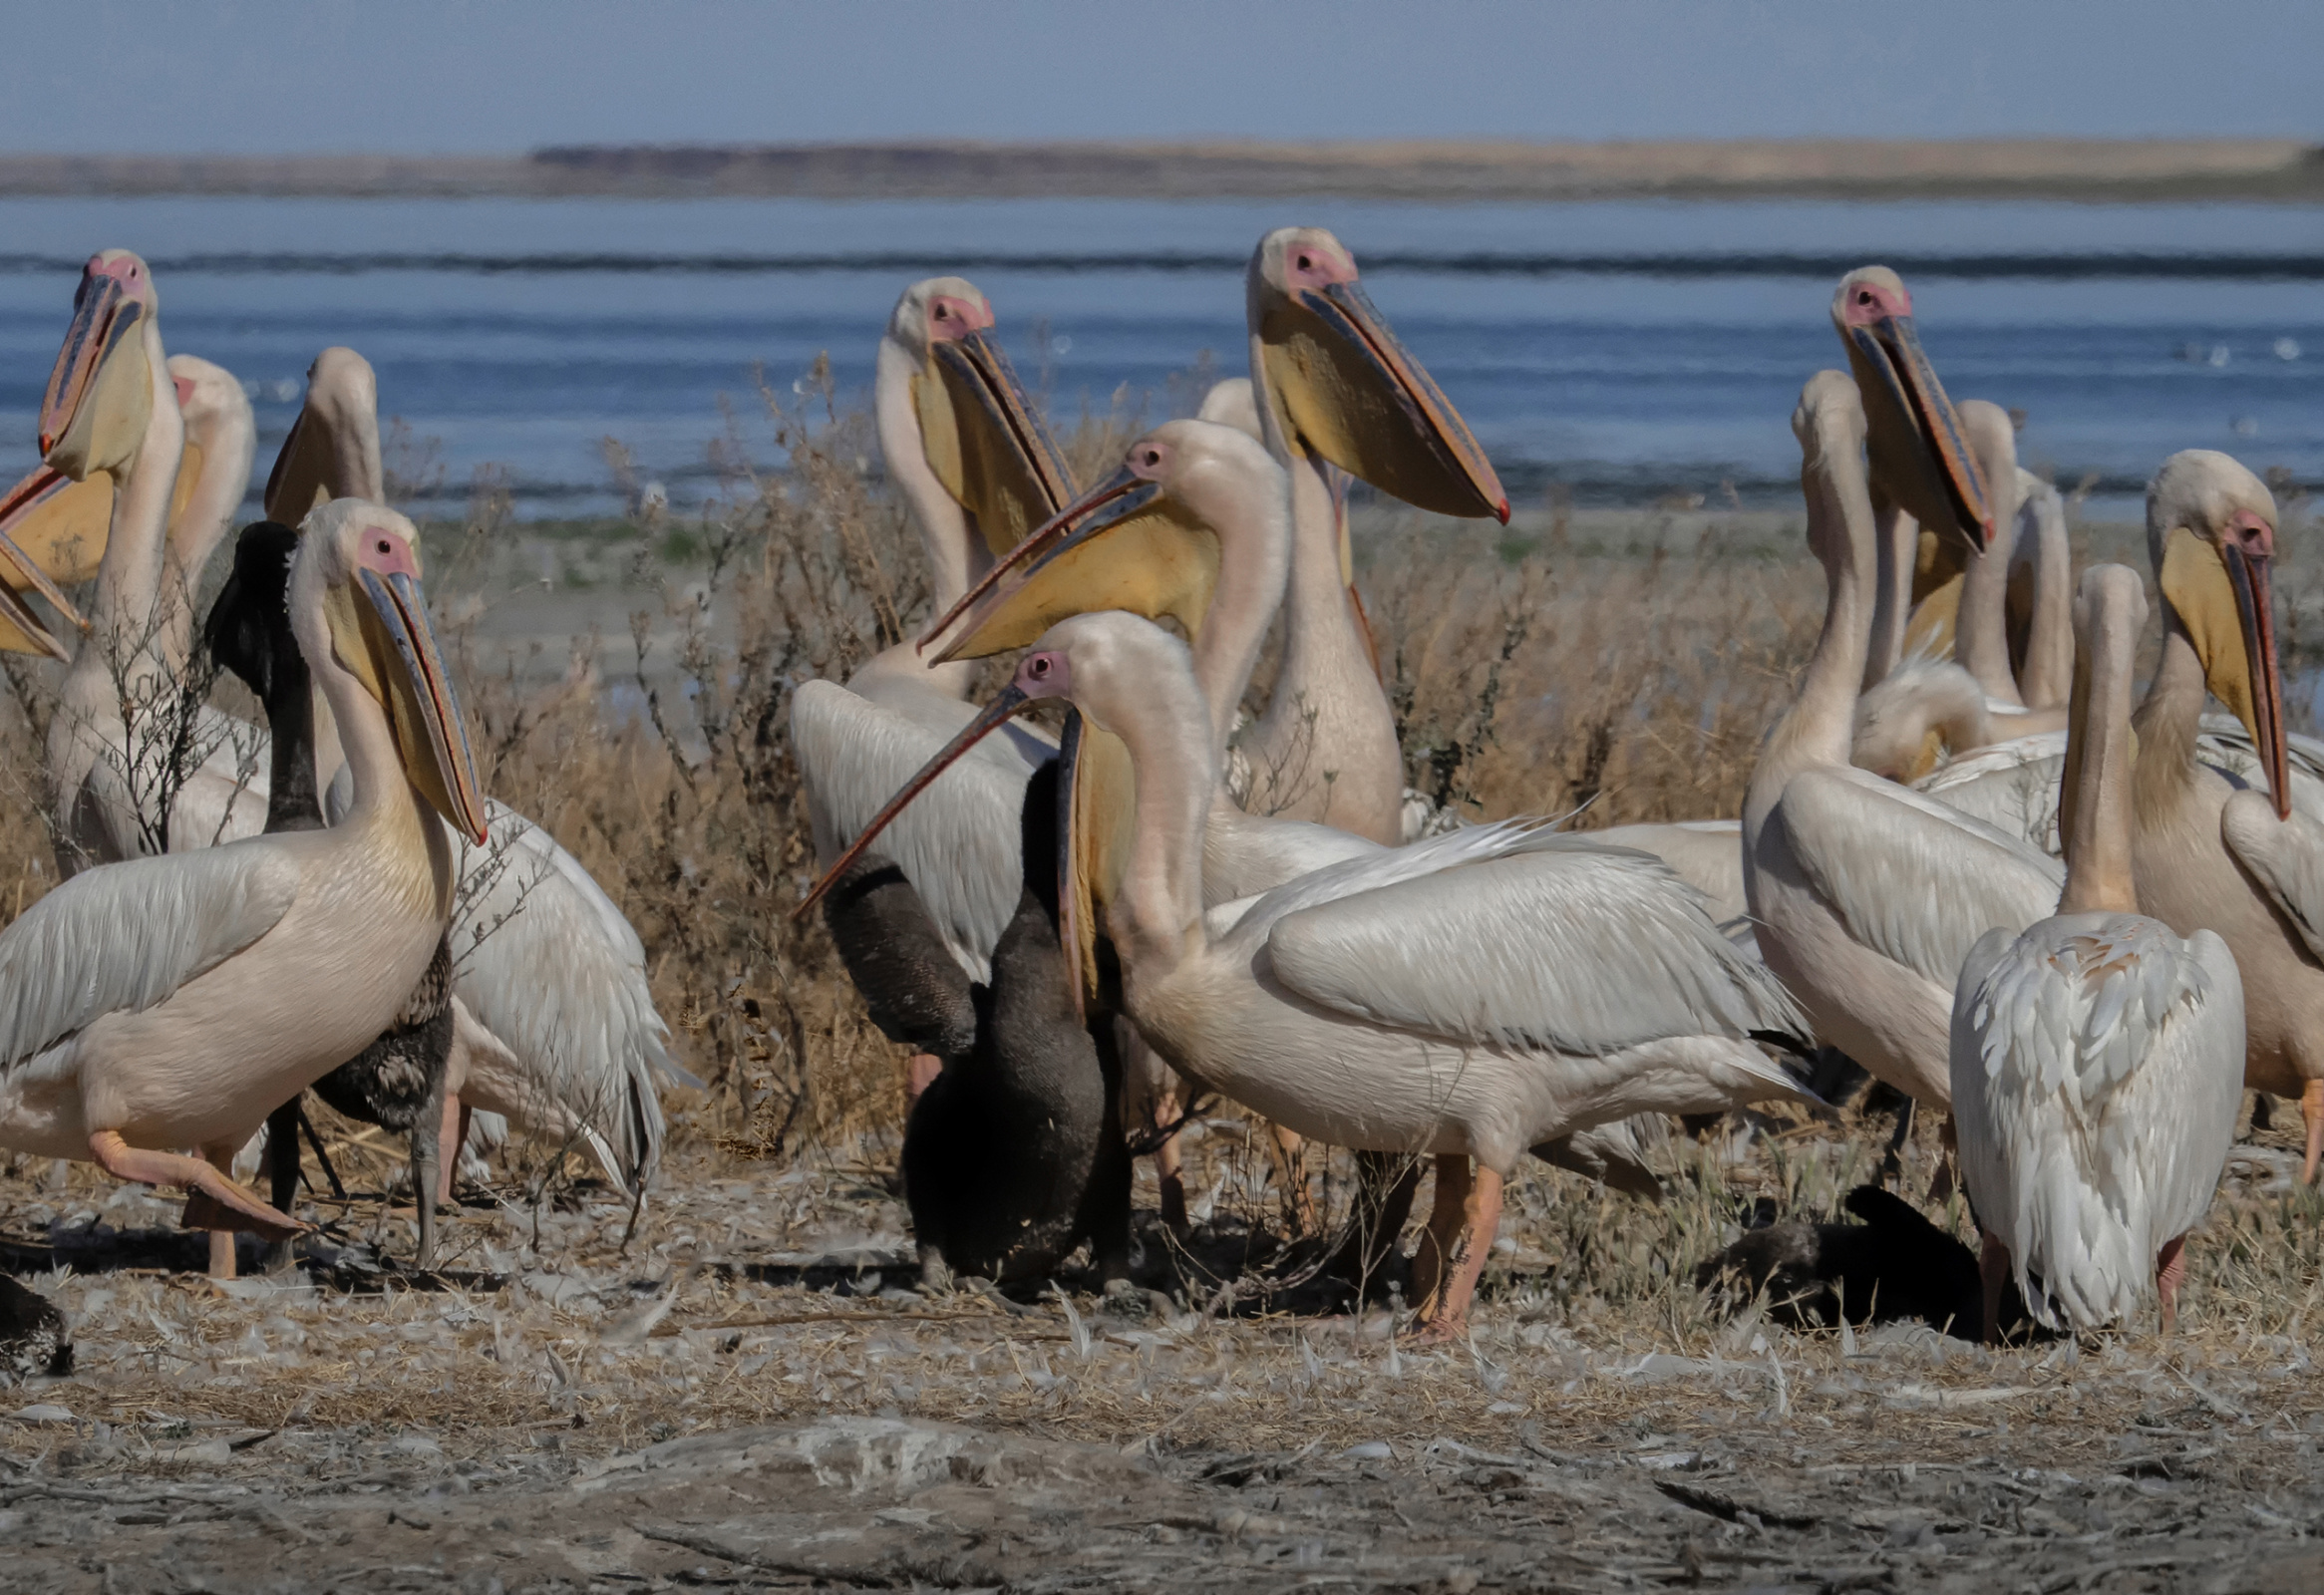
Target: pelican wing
1530, 939
958, 841
2096, 1067
124, 936
1245, 854
2011, 786
2226, 747
1911, 879
547, 964
2286, 858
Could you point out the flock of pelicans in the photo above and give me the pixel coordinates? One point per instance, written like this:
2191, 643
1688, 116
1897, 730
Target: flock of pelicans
1077, 934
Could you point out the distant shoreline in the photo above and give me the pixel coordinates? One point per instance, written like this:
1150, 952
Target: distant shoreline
2092, 170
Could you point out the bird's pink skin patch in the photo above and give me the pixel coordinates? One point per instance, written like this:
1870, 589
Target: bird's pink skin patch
184, 386
1045, 675
1316, 268
950, 316
1869, 302
382, 550
2245, 530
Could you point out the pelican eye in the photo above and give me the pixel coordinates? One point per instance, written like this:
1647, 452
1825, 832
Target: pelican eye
384, 547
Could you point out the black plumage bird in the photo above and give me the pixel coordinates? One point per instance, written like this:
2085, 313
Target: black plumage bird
396, 1081
1013, 1156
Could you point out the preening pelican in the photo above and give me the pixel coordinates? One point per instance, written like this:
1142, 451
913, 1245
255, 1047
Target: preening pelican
2096, 1059
173, 1001
1466, 996
1867, 895
2211, 854
979, 472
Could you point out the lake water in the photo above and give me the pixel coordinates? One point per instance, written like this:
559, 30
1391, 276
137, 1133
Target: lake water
1621, 350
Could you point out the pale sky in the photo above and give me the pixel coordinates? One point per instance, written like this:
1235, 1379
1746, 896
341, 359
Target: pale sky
434, 75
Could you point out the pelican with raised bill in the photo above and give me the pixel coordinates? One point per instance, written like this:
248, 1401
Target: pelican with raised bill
1466, 995
2098, 1058
172, 1002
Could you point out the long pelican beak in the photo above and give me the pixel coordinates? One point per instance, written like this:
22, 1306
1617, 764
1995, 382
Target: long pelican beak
984, 440
1348, 388
45, 520
1941, 474
100, 393
1010, 702
1152, 565
2221, 594
2262, 712
421, 706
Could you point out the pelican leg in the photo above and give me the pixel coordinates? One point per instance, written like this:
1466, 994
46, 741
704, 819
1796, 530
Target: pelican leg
1461, 1230
223, 1264
1993, 1273
2169, 1272
919, 1074
123, 1162
2312, 1109
1385, 1183
450, 1142
1287, 1154
426, 1133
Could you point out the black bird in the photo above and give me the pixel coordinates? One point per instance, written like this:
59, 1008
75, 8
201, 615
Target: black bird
396, 1081
1014, 1156
1894, 1265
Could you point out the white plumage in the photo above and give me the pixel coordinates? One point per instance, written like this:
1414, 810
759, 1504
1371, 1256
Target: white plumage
2096, 1074
958, 845
1474, 993
547, 965
124, 938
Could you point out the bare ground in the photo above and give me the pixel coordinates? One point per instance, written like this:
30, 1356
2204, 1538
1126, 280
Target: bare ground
750, 1395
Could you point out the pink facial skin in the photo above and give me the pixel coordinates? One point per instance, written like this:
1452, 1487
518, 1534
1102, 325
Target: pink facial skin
185, 387
952, 317
383, 551
1306, 266
1045, 675
2247, 531
1869, 302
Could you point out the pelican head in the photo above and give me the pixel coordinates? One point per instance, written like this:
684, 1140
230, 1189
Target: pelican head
2210, 532
355, 599
332, 451
92, 417
977, 428
1341, 386
1141, 541
100, 394
1919, 455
